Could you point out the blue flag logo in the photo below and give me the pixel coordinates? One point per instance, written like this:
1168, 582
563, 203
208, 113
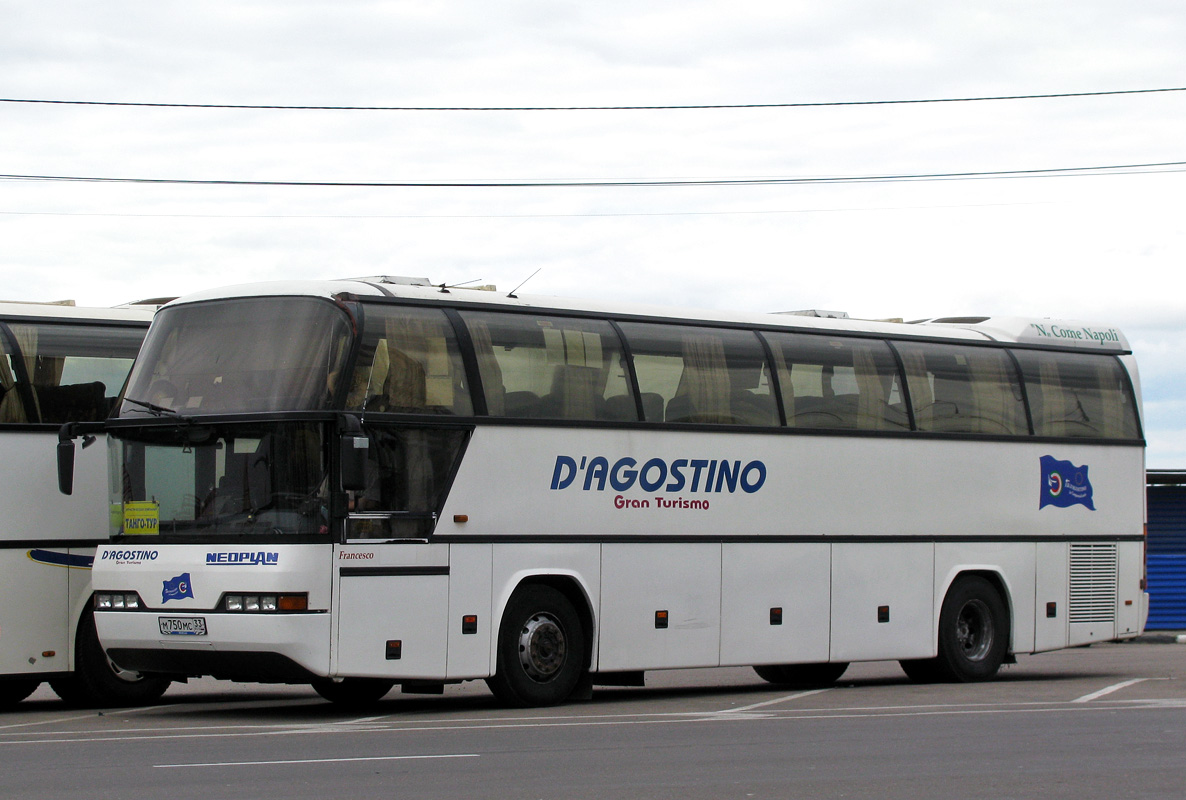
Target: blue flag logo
1064, 485
177, 588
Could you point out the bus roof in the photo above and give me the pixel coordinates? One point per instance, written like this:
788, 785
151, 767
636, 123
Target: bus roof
1060, 333
11, 310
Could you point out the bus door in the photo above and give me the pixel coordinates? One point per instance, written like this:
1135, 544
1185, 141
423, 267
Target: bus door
391, 580
391, 609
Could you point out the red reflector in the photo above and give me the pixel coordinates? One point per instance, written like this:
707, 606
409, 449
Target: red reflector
292, 602
461, 518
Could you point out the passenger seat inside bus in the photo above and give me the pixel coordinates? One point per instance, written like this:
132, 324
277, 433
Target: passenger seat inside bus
78, 402
521, 404
573, 394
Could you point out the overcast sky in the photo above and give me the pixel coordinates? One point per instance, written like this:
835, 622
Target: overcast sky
1108, 248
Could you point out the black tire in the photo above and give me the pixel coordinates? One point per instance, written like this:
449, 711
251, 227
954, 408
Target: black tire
13, 692
541, 649
97, 682
805, 675
973, 635
353, 692
923, 670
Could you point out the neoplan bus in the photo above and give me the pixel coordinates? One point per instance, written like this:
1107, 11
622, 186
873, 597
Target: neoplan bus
58, 364
367, 483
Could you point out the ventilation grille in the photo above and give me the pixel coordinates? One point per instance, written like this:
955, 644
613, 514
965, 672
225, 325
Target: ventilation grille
1093, 583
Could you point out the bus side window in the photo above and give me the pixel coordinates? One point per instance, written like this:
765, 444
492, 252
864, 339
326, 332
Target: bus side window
12, 405
551, 367
1078, 395
961, 389
832, 382
409, 363
408, 473
74, 371
701, 375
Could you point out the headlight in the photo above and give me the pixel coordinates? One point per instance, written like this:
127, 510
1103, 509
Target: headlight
263, 603
117, 601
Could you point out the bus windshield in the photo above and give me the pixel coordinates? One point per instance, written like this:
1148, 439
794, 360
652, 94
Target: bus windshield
241, 355
217, 480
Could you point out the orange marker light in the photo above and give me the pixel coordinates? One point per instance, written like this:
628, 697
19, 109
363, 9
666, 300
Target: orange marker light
292, 602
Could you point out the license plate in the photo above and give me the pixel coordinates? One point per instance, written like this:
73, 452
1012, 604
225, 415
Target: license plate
182, 626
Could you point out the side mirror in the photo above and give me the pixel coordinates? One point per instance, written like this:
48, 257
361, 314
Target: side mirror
66, 466
66, 435
353, 451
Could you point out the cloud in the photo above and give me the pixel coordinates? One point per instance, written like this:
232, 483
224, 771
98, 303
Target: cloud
1102, 248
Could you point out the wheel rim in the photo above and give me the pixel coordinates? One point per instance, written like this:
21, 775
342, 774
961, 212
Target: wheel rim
542, 647
974, 630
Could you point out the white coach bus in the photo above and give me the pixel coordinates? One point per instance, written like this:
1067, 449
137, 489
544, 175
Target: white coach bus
58, 364
366, 483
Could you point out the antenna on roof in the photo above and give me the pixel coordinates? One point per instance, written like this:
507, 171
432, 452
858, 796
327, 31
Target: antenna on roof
445, 288
520, 286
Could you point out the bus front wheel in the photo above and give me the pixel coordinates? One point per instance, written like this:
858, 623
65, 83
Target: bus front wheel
541, 649
353, 692
98, 682
809, 675
14, 691
973, 635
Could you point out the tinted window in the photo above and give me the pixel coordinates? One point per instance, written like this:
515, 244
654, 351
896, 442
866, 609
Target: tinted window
702, 375
961, 389
408, 473
15, 395
70, 373
409, 363
830, 382
242, 355
250, 479
1078, 395
551, 367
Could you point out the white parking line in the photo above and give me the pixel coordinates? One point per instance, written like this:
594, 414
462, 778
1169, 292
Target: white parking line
45, 722
787, 715
312, 761
795, 696
1087, 698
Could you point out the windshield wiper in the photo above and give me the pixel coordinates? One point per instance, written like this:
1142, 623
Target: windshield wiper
158, 411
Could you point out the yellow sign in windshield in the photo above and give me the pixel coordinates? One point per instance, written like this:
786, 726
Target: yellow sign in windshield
142, 518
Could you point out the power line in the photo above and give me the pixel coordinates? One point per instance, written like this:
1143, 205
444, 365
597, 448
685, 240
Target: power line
689, 107
758, 212
1113, 169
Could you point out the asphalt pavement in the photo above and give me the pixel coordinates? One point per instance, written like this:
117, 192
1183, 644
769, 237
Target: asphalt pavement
1104, 721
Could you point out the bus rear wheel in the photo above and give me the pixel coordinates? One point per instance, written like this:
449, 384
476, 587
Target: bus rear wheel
13, 692
98, 682
973, 635
541, 649
809, 675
